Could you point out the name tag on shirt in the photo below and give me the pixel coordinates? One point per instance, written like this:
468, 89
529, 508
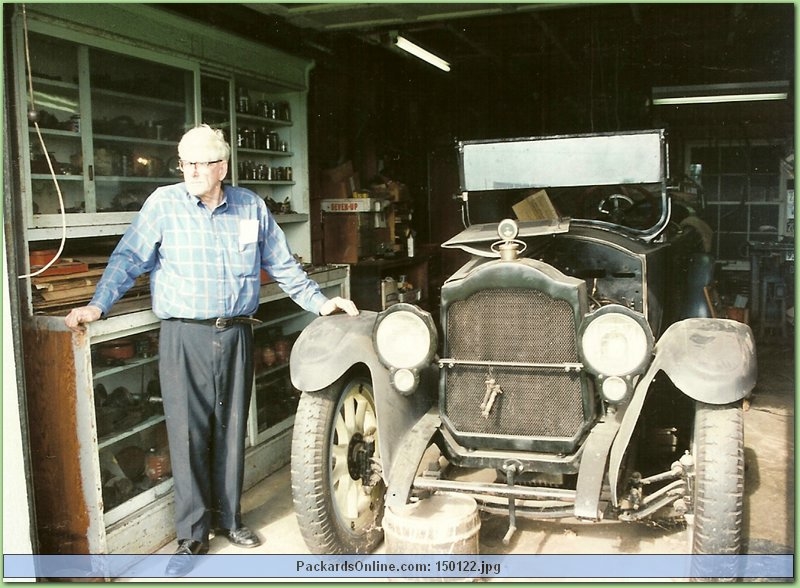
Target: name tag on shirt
248, 232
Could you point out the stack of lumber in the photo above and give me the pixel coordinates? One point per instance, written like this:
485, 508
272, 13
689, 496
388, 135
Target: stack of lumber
71, 282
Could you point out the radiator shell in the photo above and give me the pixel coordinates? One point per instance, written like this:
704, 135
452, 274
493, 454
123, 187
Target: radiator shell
501, 314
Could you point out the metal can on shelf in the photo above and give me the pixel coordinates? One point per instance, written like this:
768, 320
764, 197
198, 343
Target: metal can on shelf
249, 138
285, 112
242, 101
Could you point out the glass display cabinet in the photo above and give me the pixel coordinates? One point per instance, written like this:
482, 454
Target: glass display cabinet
111, 102
106, 423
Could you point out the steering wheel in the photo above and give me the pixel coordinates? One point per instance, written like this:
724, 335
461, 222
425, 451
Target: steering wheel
615, 206
629, 205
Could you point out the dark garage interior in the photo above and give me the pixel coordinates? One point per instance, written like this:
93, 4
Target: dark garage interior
326, 115
518, 70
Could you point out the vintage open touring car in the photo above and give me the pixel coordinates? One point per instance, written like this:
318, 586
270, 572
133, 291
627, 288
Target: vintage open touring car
574, 359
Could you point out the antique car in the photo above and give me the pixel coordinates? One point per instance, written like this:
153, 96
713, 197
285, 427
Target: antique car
574, 361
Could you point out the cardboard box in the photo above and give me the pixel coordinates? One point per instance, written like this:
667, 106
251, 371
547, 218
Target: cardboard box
536, 206
394, 191
336, 190
397, 191
337, 174
340, 181
351, 237
738, 314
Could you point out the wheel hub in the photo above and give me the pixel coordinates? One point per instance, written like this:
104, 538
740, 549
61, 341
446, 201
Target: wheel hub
359, 455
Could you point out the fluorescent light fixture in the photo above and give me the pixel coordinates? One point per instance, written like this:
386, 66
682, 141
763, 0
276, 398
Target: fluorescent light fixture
716, 93
423, 54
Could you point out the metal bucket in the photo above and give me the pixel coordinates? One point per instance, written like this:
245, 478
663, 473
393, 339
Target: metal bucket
445, 523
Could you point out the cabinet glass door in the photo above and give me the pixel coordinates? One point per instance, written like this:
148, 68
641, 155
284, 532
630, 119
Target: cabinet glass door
56, 99
110, 123
140, 110
274, 401
215, 101
131, 431
275, 398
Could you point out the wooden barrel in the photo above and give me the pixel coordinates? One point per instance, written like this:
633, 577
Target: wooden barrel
445, 523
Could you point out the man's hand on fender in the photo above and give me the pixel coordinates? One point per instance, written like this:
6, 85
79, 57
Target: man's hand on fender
337, 303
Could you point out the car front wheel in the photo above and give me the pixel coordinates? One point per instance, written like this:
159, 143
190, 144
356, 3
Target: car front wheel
336, 487
718, 493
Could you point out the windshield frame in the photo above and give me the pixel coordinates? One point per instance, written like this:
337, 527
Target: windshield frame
562, 161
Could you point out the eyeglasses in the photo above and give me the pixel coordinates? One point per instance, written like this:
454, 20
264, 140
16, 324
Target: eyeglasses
198, 165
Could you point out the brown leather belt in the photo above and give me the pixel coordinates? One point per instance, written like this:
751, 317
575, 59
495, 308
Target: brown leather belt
224, 322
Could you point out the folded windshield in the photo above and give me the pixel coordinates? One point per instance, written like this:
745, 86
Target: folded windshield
607, 179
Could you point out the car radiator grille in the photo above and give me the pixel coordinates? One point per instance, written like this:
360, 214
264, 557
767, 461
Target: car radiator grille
515, 326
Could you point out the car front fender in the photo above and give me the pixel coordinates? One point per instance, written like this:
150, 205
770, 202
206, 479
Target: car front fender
328, 347
710, 360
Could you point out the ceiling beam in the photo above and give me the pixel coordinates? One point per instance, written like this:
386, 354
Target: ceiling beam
352, 16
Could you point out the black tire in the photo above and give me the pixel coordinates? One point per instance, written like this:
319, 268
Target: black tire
717, 492
718, 496
335, 515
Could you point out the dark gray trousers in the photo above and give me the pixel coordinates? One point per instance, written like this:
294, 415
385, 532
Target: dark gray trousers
206, 377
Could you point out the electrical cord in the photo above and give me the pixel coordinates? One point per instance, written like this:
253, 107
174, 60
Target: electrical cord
33, 116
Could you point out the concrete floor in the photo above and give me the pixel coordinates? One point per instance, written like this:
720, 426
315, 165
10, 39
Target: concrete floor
769, 502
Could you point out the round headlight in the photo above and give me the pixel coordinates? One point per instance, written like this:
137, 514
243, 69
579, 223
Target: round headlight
404, 380
405, 337
616, 341
614, 389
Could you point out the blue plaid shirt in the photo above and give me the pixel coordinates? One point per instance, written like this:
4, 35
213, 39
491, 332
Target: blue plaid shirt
204, 264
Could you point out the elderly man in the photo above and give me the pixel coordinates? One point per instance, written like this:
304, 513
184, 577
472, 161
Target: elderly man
205, 244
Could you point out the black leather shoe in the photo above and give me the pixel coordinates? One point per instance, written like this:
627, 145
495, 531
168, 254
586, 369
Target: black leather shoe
242, 537
183, 561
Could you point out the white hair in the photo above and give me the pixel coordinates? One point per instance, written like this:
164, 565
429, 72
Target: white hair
204, 139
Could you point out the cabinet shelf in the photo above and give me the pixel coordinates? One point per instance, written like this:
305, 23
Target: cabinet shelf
47, 131
217, 111
291, 218
135, 139
137, 179
270, 371
52, 83
267, 182
270, 152
145, 424
116, 94
279, 427
245, 117
144, 499
281, 319
64, 177
103, 372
